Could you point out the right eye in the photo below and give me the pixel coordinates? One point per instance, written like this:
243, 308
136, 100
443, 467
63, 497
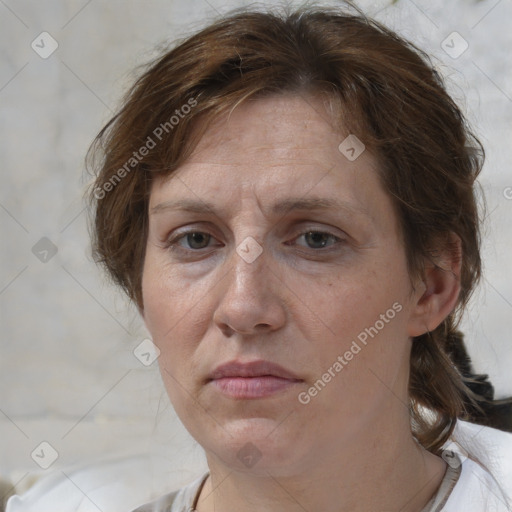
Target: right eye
192, 241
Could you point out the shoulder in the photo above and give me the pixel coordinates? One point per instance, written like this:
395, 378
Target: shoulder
181, 500
477, 491
486, 455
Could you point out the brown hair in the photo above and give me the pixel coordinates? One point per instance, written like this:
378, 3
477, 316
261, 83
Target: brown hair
392, 99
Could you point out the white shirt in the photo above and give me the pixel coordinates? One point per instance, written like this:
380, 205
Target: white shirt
476, 491
468, 488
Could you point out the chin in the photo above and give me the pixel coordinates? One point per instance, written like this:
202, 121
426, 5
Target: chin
259, 446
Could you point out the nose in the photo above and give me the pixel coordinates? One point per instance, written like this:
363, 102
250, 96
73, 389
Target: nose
250, 298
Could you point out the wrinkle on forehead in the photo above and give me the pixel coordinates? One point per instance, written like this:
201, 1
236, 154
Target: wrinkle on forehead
269, 150
272, 118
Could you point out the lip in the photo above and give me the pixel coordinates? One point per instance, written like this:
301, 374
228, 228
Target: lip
254, 379
259, 368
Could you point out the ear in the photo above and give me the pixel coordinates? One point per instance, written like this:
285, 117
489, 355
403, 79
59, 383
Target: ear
438, 291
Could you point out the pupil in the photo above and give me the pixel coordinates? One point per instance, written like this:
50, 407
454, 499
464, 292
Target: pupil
316, 239
198, 240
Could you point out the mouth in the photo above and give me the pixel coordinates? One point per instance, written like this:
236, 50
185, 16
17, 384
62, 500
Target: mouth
252, 380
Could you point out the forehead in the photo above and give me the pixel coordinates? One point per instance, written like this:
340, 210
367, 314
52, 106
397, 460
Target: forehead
272, 149
278, 129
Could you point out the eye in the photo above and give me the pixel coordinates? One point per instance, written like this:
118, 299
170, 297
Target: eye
318, 239
193, 240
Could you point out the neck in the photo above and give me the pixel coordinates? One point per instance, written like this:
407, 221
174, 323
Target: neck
376, 471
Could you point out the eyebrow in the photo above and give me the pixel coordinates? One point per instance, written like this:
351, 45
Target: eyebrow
315, 203
189, 205
279, 208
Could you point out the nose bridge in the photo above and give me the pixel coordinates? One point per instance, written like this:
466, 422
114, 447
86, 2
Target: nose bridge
249, 302
249, 256
250, 262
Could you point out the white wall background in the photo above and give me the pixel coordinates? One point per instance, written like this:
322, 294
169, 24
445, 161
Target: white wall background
68, 375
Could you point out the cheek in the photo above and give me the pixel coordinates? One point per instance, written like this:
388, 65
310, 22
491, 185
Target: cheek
175, 312
159, 307
346, 304
162, 305
165, 295
362, 318
172, 318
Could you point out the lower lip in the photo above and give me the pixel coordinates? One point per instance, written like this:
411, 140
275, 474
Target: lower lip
252, 387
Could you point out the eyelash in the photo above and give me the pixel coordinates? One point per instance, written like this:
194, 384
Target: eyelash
174, 242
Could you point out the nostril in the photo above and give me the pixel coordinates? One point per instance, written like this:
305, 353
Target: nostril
226, 330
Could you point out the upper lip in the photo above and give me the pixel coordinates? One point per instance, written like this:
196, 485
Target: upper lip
251, 369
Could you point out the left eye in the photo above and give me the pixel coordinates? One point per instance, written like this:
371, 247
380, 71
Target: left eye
317, 239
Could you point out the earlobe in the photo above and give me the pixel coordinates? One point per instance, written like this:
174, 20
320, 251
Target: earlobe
439, 290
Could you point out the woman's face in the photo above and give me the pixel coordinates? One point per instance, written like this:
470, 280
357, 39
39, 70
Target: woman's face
273, 245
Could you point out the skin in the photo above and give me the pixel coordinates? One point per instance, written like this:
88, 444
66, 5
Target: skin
297, 304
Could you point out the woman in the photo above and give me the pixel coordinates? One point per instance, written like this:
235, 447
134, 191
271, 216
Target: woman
289, 201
